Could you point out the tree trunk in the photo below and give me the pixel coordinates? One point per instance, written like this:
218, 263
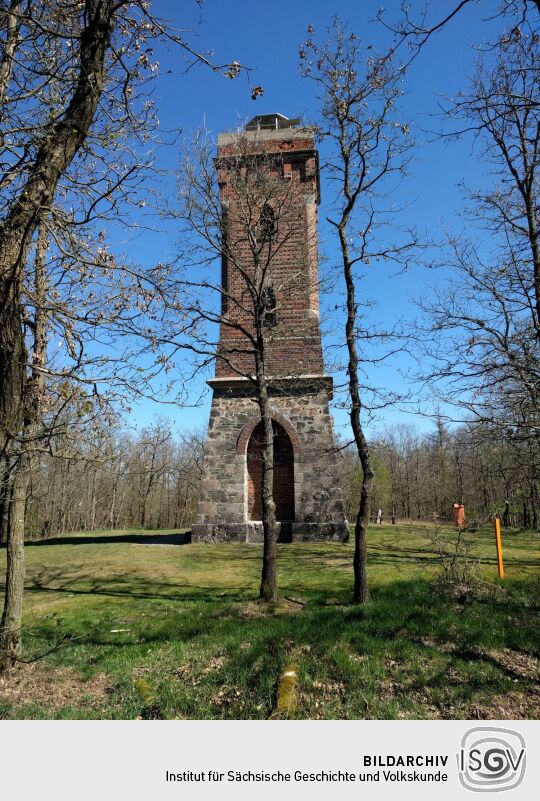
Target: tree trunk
534, 499
161, 510
12, 350
506, 513
113, 503
5, 490
93, 501
183, 517
12, 24
10, 626
360, 592
526, 520
62, 512
149, 486
268, 589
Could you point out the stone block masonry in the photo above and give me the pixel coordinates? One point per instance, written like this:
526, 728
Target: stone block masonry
300, 407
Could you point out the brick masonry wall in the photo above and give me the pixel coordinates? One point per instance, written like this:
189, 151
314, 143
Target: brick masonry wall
294, 344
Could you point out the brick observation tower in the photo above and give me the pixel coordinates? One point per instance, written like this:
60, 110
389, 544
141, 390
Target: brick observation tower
306, 491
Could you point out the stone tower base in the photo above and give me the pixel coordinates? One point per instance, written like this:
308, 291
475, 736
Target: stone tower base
253, 532
300, 408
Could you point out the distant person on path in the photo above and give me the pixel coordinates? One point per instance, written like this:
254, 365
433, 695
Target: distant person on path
379, 516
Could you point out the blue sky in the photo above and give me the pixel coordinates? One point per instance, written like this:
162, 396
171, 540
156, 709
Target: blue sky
266, 38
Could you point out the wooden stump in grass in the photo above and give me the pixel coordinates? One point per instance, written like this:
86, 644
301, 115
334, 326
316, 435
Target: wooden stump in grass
286, 693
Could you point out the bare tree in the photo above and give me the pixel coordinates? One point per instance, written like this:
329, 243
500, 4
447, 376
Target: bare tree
483, 466
38, 183
485, 323
77, 130
94, 477
415, 28
367, 143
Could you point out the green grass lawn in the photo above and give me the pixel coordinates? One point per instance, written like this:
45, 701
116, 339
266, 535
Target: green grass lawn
155, 629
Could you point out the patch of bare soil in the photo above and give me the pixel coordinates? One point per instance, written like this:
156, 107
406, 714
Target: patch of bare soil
521, 703
515, 705
259, 609
516, 663
52, 687
251, 609
215, 663
227, 695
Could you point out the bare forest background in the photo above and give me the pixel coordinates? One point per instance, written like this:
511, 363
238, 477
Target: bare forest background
114, 479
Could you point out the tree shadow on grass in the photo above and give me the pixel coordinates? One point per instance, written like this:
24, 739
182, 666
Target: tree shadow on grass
181, 538
397, 649
405, 611
391, 554
379, 554
58, 580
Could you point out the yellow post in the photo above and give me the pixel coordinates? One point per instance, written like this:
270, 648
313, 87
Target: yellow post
497, 524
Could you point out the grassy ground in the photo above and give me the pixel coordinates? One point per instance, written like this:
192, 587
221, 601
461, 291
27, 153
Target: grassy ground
157, 629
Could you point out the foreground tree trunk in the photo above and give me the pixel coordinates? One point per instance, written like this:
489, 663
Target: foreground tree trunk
5, 490
268, 590
361, 591
12, 350
10, 626
12, 353
358, 93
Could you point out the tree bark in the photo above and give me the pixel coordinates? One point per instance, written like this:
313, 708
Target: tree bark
534, 499
12, 352
5, 492
151, 479
506, 515
268, 590
12, 23
10, 626
525, 507
361, 591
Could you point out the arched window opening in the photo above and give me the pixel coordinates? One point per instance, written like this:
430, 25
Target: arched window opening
283, 487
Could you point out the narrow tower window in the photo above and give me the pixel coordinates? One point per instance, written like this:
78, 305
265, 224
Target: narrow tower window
268, 297
267, 223
224, 263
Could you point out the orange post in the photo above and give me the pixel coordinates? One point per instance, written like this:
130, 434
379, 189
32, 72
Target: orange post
497, 524
459, 515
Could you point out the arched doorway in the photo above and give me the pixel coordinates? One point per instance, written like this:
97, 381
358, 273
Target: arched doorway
283, 489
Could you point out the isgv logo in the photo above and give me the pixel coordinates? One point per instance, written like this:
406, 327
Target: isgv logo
491, 759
